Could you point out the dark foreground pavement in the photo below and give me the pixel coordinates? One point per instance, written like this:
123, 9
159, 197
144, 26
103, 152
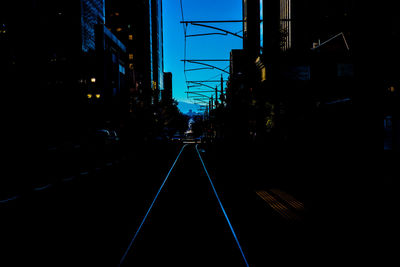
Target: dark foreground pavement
279, 210
186, 226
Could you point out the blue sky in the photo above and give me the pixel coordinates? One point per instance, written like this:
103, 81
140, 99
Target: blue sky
206, 47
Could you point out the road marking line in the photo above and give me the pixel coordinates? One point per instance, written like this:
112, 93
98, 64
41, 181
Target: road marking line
42, 187
69, 178
9, 199
273, 203
222, 208
151, 206
283, 210
289, 199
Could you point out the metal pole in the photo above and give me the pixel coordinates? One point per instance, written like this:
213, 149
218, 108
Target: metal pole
216, 96
222, 90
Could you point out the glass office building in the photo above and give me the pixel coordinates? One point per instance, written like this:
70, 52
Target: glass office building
138, 24
92, 13
157, 48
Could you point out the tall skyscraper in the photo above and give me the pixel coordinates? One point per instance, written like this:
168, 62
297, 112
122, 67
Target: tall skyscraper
52, 61
92, 13
296, 25
138, 24
158, 55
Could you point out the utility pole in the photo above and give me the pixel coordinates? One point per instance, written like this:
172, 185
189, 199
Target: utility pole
222, 90
216, 96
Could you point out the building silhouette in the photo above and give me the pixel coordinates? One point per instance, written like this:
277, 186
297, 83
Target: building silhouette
138, 24
72, 81
390, 87
167, 92
158, 48
113, 79
297, 70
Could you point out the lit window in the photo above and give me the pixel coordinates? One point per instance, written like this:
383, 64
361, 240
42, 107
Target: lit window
131, 66
116, 14
130, 37
119, 29
121, 69
3, 28
130, 56
98, 96
89, 96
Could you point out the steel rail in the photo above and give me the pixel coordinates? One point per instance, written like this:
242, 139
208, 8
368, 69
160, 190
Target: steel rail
222, 208
151, 206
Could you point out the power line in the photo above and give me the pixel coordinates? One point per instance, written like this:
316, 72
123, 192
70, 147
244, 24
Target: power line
205, 66
211, 21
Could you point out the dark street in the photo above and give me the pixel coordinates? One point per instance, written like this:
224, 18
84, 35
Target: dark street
161, 209
197, 133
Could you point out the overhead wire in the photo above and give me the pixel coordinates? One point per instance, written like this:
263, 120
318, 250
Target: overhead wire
185, 28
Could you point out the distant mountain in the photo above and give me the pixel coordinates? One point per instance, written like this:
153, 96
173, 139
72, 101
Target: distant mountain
189, 108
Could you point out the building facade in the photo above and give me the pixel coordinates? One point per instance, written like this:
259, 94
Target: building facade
64, 70
112, 91
158, 48
299, 58
391, 94
138, 24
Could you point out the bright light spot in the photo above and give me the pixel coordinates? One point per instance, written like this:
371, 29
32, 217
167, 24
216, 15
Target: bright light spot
98, 96
93, 80
89, 96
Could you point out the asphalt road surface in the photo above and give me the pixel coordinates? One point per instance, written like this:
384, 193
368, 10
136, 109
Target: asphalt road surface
188, 225
185, 205
156, 209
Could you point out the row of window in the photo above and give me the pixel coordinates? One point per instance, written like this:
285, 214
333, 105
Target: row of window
388, 136
3, 28
387, 122
286, 24
130, 36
